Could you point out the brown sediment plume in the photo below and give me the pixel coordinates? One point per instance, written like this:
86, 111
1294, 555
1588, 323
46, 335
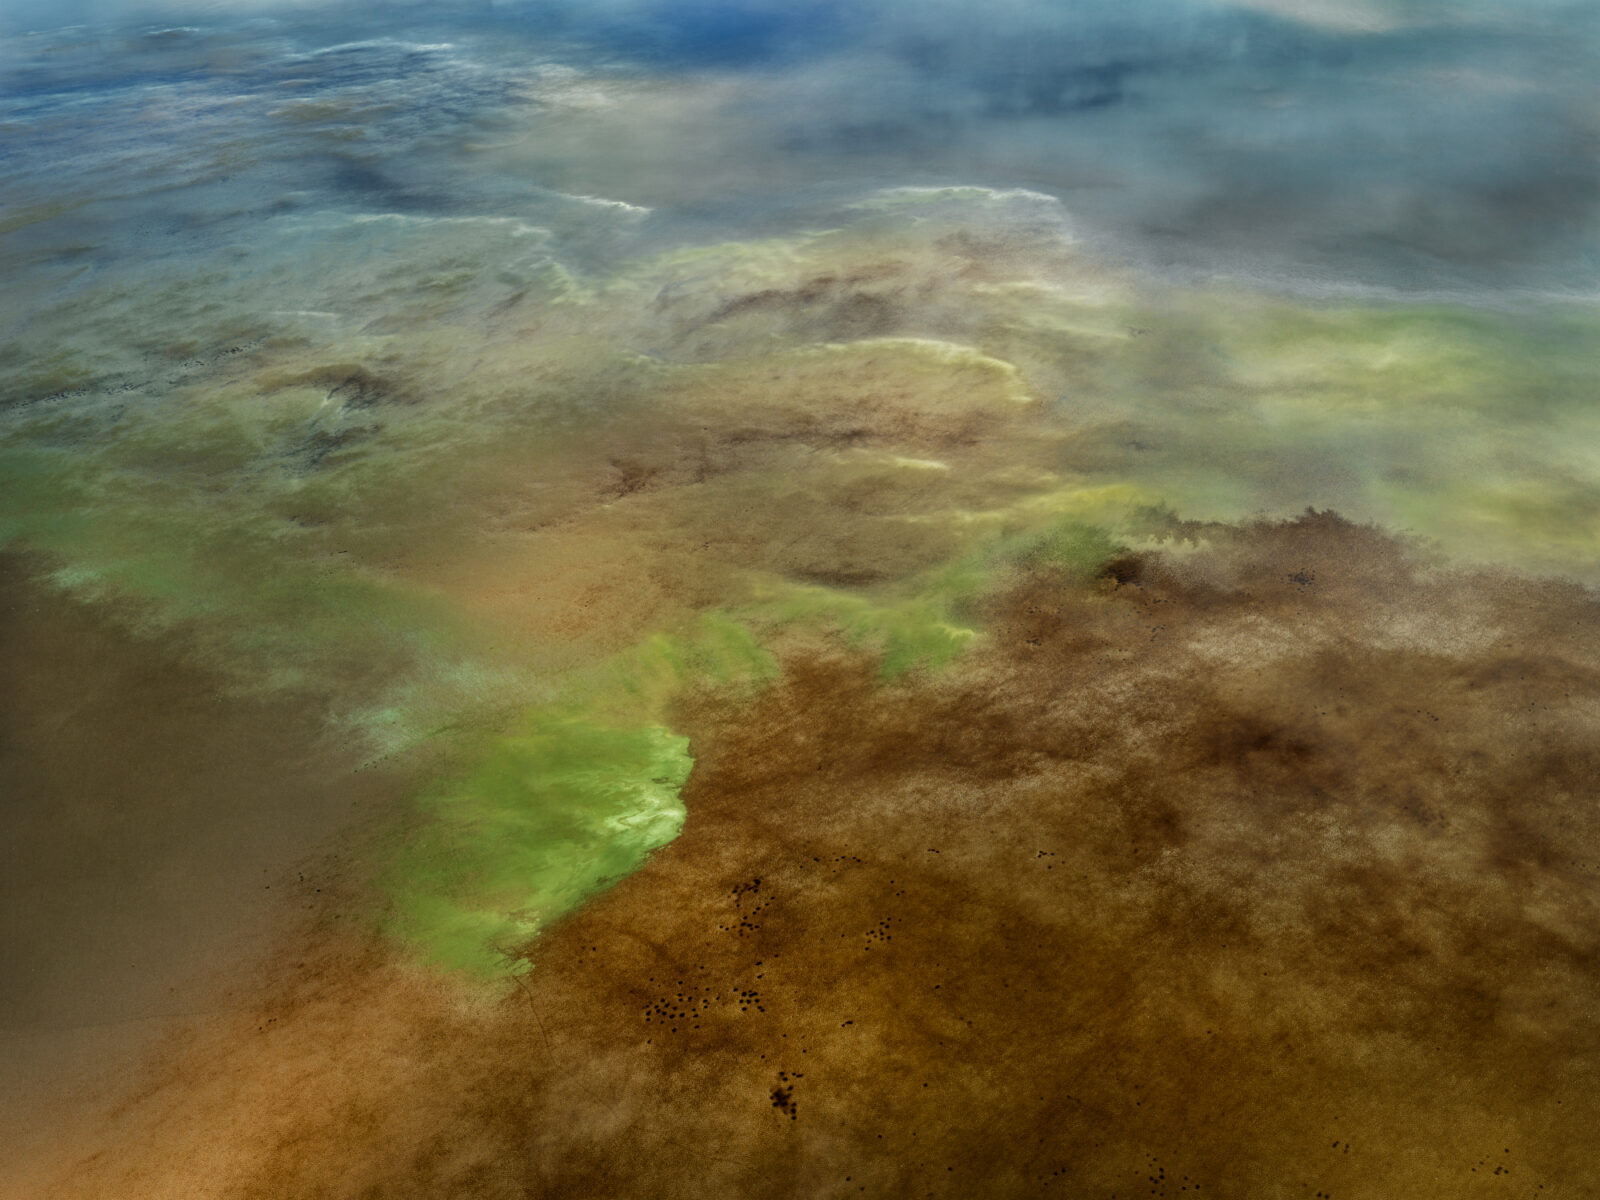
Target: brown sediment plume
147, 819
847, 465
1261, 865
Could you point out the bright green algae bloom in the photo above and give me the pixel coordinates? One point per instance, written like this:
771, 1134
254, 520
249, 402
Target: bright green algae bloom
548, 816
573, 798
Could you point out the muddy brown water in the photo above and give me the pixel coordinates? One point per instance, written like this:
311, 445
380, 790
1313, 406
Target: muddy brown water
152, 821
1266, 870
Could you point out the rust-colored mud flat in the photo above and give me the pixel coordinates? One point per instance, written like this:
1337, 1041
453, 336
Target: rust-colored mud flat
1262, 866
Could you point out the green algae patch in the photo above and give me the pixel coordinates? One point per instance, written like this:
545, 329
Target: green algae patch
931, 626
1073, 547
548, 816
714, 650
573, 799
920, 632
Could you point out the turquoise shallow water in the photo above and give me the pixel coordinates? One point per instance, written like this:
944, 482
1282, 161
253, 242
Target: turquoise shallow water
463, 366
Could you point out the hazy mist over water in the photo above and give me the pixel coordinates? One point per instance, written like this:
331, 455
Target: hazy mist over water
562, 556
1416, 147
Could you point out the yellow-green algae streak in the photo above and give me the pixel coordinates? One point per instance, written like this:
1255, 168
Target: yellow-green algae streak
548, 815
570, 798
468, 523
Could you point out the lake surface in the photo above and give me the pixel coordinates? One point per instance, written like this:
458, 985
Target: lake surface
943, 600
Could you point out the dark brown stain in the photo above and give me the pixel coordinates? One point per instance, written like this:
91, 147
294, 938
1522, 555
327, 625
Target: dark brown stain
827, 307
355, 386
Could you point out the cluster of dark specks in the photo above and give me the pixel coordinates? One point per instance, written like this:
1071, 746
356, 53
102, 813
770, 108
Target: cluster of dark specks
687, 1009
757, 904
879, 933
783, 1095
1502, 1168
1044, 856
1160, 1183
681, 1010
749, 998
